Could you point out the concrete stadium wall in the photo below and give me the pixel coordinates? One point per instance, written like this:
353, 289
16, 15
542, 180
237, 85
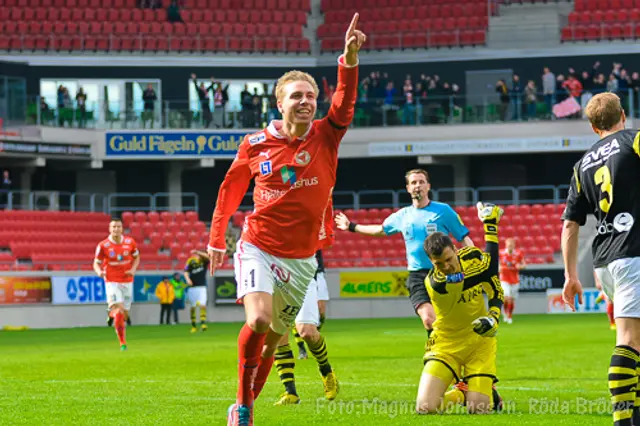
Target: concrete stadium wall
66, 316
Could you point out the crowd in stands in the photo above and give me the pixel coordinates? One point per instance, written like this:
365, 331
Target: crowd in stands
424, 99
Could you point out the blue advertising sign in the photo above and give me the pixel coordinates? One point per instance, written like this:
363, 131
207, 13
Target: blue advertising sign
78, 290
144, 288
173, 144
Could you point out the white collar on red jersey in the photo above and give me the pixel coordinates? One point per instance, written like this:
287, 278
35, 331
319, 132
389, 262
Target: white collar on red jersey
275, 125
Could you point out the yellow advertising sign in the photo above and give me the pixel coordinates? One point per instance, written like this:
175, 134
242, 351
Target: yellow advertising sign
373, 284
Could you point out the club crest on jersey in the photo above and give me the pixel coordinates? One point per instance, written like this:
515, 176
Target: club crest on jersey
126, 253
265, 168
257, 139
112, 253
303, 158
281, 274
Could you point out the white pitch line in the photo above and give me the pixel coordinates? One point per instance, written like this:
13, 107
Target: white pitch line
300, 382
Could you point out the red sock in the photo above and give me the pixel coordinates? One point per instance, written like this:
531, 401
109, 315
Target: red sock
249, 349
512, 306
120, 325
610, 313
261, 376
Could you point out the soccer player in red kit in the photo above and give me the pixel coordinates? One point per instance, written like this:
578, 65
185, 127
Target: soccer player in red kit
117, 259
293, 162
511, 263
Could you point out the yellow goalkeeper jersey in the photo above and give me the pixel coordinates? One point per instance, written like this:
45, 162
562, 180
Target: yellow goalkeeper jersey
458, 304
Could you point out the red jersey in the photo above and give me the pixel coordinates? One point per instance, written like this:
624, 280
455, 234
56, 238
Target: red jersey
117, 259
294, 181
508, 266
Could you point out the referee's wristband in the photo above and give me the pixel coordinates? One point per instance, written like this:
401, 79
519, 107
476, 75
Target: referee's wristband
352, 227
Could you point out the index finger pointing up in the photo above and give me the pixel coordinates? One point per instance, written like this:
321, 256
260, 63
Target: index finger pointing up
354, 23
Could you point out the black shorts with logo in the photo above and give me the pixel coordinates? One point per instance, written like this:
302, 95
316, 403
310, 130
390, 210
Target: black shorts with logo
417, 291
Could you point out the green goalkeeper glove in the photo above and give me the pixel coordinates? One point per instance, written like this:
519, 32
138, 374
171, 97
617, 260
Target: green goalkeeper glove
486, 326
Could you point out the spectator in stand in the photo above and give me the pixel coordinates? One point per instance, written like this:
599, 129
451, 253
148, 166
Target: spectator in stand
149, 98
203, 95
599, 84
389, 108
45, 111
623, 85
561, 92
612, 84
60, 104
634, 85
420, 97
218, 106
256, 107
531, 99
173, 12
409, 109
6, 187
274, 113
503, 94
81, 102
573, 86
516, 97
548, 88
246, 103
328, 91
445, 96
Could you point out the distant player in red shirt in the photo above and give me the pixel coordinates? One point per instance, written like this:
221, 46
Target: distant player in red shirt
511, 263
117, 259
293, 163
602, 296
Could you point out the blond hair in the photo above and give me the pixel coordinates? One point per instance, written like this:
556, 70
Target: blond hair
292, 76
604, 111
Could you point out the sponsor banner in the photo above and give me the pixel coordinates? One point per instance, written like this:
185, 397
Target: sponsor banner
225, 290
555, 305
540, 280
46, 149
184, 144
373, 284
482, 146
78, 290
24, 290
144, 288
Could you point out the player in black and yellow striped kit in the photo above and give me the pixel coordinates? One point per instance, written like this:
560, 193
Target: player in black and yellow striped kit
463, 337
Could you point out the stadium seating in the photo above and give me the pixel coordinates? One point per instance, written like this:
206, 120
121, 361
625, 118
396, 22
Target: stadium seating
400, 24
536, 229
118, 25
67, 241
603, 20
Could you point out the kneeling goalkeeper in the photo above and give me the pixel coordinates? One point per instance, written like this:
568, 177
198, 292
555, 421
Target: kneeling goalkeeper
463, 337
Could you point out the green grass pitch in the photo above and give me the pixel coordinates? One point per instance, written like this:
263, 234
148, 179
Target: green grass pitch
552, 372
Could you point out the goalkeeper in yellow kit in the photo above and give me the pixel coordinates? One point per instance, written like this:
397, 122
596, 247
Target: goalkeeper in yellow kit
463, 337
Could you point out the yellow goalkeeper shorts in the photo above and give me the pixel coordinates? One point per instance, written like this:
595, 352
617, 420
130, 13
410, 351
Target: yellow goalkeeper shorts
472, 360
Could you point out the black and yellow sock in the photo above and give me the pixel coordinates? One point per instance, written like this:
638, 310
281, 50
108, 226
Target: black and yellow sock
319, 351
299, 340
285, 363
636, 405
203, 315
623, 381
193, 317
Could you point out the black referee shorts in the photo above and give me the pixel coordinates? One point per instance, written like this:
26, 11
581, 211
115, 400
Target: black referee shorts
417, 291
